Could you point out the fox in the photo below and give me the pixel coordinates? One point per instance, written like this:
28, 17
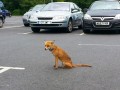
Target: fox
61, 55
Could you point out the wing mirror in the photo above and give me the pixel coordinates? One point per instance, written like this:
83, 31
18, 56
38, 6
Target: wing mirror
74, 10
85, 10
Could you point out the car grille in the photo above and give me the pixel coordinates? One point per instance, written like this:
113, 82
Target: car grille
102, 18
44, 18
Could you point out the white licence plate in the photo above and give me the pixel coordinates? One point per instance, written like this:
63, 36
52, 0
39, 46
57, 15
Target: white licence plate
44, 22
102, 23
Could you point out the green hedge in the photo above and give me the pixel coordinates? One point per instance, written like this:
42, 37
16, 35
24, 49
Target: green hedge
19, 7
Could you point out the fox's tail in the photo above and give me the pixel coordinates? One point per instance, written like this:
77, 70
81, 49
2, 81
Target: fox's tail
81, 65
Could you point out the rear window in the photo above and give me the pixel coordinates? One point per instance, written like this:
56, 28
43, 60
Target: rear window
57, 7
105, 5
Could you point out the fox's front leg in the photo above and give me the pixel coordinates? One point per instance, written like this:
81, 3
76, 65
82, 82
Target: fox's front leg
56, 63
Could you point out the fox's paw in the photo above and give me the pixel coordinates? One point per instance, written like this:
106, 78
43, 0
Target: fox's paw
55, 67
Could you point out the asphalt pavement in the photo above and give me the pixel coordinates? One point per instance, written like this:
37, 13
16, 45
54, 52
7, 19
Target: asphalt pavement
25, 65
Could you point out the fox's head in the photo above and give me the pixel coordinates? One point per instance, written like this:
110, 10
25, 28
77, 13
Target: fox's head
49, 45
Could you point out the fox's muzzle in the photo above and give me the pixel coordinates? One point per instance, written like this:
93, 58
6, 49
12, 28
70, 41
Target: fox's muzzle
46, 48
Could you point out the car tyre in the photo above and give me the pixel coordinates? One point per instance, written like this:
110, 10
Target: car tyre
35, 30
70, 26
1, 23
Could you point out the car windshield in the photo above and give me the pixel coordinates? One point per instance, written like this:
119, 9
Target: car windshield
57, 7
37, 7
104, 5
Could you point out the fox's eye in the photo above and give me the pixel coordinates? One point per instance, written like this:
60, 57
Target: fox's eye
47, 45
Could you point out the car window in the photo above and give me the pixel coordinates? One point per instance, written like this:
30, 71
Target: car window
72, 6
104, 5
37, 7
57, 7
76, 7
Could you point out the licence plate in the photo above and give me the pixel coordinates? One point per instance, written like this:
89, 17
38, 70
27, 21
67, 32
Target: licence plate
44, 22
102, 23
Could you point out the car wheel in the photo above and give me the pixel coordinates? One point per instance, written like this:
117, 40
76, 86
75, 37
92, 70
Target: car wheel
70, 26
35, 30
1, 23
86, 31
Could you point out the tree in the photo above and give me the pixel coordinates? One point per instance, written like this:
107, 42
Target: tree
19, 7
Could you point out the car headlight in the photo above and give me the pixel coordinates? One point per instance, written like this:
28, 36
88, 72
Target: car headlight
33, 17
117, 16
59, 18
87, 16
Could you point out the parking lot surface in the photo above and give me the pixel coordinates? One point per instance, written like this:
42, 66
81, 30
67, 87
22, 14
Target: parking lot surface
25, 65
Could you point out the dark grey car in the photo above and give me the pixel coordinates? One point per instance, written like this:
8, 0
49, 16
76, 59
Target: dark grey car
102, 15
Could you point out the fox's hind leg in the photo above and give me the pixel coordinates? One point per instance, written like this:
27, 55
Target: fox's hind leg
68, 65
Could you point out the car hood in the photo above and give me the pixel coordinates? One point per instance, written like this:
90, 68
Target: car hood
103, 12
52, 13
31, 12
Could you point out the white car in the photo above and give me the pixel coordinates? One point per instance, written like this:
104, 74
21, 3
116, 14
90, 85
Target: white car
28, 14
57, 15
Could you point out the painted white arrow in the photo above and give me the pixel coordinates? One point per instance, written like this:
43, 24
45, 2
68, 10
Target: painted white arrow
3, 68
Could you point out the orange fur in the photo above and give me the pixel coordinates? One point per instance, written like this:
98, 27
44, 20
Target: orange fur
61, 55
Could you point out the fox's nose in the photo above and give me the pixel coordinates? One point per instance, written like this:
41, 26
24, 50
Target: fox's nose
45, 49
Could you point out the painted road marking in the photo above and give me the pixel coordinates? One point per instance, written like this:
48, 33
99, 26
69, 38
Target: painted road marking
25, 33
4, 69
81, 34
11, 27
98, 45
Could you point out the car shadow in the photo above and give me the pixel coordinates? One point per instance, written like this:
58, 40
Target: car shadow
56, 31
105, 32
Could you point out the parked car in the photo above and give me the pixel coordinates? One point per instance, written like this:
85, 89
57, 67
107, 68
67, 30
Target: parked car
3, 13
8, 13
28, 14
57, 15
102, 15
2, 19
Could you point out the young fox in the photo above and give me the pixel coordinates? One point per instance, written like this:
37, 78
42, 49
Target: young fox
61, 55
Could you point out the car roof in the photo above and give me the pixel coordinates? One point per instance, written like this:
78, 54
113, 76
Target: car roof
61, 2
109, 0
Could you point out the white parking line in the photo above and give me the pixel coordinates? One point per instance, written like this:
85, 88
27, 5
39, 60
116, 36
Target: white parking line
98, 45
3, 68
11, 27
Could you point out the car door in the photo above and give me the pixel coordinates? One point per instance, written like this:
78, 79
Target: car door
77, 15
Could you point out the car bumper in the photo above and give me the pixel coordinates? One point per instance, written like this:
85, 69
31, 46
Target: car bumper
49, 24
91, 25
26, 21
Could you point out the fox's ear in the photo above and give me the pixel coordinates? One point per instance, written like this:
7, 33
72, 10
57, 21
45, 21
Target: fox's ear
53, 42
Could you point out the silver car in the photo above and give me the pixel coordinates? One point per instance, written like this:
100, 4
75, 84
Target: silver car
57, 15
28, 14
